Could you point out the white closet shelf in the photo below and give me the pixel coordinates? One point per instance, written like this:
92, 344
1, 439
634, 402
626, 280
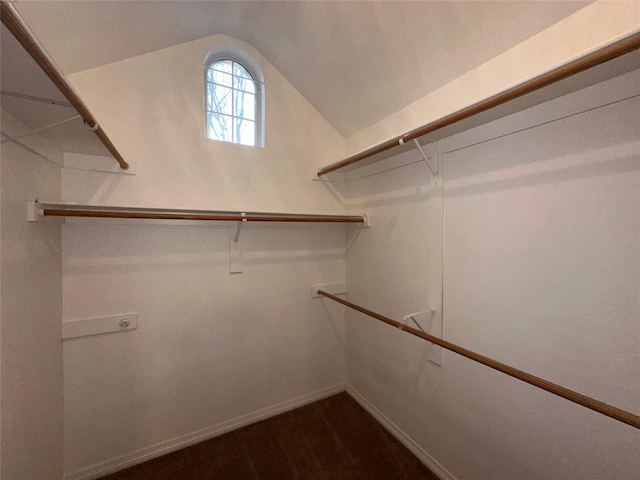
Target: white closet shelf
41, 210
564, 79
32, 47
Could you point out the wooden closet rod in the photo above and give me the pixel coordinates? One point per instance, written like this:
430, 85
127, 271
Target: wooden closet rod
21, 32
600, 407
598, 57
184, 216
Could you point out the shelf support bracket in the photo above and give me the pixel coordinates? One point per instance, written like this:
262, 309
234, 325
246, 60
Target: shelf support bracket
426, 159
50, 101
238, 227
17, 137
435, 328
412, 317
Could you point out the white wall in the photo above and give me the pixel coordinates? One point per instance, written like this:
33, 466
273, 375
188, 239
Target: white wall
589, 29
212, 350
152, 107
541, 271
210, 347
31, 307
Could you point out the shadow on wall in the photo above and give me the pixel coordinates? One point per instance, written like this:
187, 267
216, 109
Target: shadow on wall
607, 161
393, 190
334, 314
338, 191
352, 235
108, 249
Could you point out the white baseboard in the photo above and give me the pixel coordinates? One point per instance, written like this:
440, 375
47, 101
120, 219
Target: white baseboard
405, 439
128, 460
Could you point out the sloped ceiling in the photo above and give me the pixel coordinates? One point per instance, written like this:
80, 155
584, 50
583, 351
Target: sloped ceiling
356, 62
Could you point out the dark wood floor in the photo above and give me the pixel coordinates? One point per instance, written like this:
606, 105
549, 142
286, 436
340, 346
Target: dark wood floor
333, 439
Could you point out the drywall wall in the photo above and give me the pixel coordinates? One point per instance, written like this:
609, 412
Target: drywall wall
210, 347
588, 29
541, 271
152, 107
31, 307
212, 350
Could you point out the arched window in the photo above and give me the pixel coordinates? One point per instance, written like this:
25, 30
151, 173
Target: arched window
234, 97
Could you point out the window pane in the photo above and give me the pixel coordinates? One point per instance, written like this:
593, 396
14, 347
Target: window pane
231, 103
219, 127
244, 132
246, 84
219, 77
245, 105
219, 99
240, 71
223, 66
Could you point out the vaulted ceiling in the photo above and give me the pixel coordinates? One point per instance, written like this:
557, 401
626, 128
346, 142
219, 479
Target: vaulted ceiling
356, 62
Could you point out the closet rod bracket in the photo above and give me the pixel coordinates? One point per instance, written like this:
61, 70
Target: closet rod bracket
36, 214
238, 227
434, 171
412, 316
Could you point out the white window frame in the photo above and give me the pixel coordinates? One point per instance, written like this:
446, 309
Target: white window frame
235, 54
